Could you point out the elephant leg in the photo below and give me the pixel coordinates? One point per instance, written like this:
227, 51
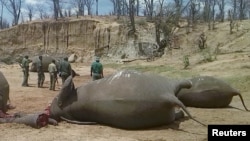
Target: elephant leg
179, 114
33, 120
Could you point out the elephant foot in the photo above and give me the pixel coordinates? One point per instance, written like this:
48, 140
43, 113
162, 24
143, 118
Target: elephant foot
179, 114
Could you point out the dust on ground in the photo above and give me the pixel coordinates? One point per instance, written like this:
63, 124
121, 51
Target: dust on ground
33, 99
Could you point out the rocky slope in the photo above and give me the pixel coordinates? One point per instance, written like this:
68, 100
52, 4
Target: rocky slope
109, 38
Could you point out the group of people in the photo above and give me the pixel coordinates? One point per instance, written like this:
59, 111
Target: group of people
63, 70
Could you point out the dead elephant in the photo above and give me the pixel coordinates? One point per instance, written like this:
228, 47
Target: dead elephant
126, 99
208, 92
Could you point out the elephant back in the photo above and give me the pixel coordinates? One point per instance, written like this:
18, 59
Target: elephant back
207, 92
45, 62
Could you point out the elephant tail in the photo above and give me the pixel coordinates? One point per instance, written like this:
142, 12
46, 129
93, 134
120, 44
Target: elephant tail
241, 98
77, 122
180, 104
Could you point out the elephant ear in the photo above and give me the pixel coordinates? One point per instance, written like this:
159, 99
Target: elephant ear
68, 90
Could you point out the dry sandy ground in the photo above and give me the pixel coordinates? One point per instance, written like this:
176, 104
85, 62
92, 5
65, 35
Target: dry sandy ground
33, 99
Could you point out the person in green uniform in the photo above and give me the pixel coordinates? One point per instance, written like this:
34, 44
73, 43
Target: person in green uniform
40, 72
96, 71
65, 69
53, 74
25, 68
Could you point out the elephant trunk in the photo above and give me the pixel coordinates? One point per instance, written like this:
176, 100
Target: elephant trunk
187, 84
33, 120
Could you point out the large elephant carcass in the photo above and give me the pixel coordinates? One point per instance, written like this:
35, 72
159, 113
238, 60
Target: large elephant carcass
127, 99
209, 92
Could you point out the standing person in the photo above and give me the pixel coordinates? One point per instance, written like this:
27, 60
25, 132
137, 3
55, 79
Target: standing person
53, 74
40, 72
96, 71
65, 69
25, 67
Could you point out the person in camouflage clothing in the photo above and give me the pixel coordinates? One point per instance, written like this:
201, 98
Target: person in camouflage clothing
40, 72
53, 74
25, 68
64, 69
96, 71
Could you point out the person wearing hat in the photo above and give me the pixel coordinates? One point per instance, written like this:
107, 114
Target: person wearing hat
53, 74
40, 72
96, 71
25, 68
64, 69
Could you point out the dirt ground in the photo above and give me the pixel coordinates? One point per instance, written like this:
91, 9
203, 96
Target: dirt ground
33, 99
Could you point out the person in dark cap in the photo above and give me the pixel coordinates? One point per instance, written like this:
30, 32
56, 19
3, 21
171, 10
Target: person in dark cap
25, 68
96, 71
64, 69
40, 72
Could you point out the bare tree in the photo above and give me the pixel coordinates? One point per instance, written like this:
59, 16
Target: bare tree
125, 8
178, 12
234, 14
149, 8
221, 4
115, 6
209, 13
242, 9
165, 21
41, 8
1, 18
89, 4
213, 13
132, 15
14, 7
137, 7
231, 19
194, 10
30, 9
57, 9
96, 8
239, 9
80, 6
118, 6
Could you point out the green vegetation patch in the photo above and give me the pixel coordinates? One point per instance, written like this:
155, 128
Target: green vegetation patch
240, 82
163, 70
